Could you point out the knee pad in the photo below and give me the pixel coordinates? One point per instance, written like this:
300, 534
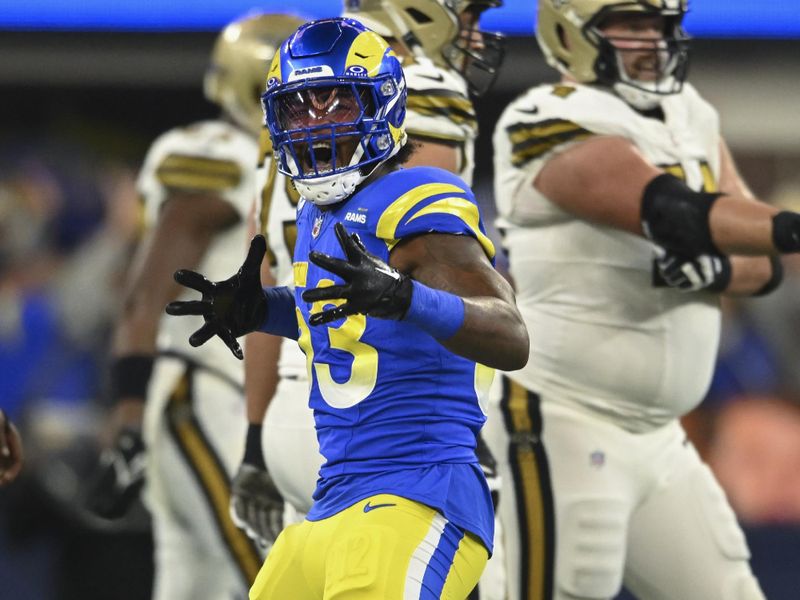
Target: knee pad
676, 217
590, 547
719, 516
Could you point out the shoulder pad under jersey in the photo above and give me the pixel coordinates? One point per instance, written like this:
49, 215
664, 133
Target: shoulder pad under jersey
419, 200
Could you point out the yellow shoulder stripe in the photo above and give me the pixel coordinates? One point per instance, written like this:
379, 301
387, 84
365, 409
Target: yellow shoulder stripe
394, 213
464, 210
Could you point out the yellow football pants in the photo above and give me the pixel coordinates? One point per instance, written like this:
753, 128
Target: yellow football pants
382, 548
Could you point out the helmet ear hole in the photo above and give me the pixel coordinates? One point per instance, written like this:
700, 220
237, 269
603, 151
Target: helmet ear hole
419, 17
562, 36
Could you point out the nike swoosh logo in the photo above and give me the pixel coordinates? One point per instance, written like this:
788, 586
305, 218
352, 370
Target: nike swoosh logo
439, 77
529, 111
368, 507
390, 272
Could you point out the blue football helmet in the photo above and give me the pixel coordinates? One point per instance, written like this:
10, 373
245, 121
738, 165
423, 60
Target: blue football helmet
335, 106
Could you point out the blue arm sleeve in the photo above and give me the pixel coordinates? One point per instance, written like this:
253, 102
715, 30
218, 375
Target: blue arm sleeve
439, 313
281, 317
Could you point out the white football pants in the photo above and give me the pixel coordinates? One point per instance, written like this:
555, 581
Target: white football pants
587, 506
194, 431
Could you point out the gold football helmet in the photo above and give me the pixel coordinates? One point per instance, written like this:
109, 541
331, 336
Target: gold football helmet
237, 74
569, 33
438, 29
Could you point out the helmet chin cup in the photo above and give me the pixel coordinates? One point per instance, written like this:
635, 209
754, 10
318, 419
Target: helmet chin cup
329, 189
638, 97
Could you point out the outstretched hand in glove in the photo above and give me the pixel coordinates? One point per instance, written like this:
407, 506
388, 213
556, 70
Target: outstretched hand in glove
371, 287
230, 308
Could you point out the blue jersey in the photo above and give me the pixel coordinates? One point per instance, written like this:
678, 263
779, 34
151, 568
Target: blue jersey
395, 411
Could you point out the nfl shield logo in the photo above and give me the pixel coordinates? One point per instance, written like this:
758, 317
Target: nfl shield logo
317, 226
597, 459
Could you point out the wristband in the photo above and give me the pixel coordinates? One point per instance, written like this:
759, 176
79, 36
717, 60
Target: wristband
439, 313
130, 376
281, 318
253, 455
786, 231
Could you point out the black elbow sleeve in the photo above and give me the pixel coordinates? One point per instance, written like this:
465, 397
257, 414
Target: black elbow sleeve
676, 218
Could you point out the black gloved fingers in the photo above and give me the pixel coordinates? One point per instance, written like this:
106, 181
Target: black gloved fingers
337, 266
351, 244
194, 280
230, 341
331, 292
202, 335
255, 255
332, 314
189, 307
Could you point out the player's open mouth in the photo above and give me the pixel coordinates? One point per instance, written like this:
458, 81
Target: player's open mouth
322, 154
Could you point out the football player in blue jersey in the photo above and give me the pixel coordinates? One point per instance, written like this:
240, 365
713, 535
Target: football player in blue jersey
402, 318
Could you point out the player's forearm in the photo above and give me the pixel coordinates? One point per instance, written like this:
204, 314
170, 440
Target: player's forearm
260, 374
492, 334
753, 275
137, 329
741, 226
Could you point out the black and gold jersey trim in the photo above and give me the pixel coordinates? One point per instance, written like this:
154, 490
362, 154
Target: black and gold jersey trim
210, 475
443, 103
183, 171
532, 490
530, 141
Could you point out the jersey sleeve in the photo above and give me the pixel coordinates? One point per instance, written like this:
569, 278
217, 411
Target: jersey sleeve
431, 200
211, 157
546, 121
438, 108
542, 123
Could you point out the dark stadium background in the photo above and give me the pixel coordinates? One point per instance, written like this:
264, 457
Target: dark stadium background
79, 104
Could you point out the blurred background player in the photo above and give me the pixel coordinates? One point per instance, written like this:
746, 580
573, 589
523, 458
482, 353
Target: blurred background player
625, 219
442, 126
11, 455
198, 186
404, 447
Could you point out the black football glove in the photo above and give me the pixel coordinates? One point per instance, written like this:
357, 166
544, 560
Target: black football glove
371, 286
230, 308
256, 504
119, 477
711, 272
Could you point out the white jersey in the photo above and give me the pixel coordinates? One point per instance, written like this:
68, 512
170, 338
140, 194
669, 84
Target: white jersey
439, 110
603, 339
206, 157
